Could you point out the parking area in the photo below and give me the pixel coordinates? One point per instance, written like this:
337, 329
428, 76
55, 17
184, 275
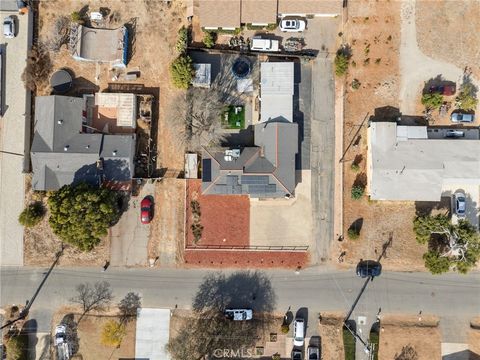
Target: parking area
472, 197
15, 137
129, 237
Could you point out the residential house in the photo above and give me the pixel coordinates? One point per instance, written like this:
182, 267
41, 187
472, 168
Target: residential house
66, 151
266, 170
419, 163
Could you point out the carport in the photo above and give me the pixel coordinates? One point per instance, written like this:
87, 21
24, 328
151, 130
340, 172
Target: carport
152, 334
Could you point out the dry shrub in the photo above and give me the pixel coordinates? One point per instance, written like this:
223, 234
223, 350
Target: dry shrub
38, 69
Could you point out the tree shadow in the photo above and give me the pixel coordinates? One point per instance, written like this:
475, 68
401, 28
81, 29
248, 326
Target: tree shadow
288, 318
71, 332
244, 289
385, 113
360, 180
30, 328
425, 208
358, 159
356, 225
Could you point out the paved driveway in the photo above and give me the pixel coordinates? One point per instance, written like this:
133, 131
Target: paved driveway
129, 237
14, 141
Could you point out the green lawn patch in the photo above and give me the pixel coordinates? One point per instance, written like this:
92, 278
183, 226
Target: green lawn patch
348, 344
232, 119
374, 341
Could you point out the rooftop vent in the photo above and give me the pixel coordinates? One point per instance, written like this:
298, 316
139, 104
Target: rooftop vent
87, 147
114, 152
65, 148
60, 122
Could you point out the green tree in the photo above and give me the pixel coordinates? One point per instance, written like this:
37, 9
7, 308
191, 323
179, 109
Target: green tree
357, 192
424, 226
353, 233
182, 40
209, 39
341, 64
113, 333
16, 347
435, 263
32, 214
432, 100
181, 71
76, 17
467, 99
82, 214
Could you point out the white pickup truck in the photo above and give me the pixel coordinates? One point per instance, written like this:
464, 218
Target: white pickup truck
63, 350
259, 44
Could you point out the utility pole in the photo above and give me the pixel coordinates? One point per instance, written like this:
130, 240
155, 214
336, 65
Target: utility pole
23, 314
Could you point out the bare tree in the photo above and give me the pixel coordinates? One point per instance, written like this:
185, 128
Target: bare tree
128, 306
59, 35
408, 353
95, 297
39, 66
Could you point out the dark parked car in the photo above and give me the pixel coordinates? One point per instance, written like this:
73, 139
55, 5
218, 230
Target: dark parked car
369, 268
297, 354
146, 210
313, 353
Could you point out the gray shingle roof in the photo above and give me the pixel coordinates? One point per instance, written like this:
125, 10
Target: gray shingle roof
62, 155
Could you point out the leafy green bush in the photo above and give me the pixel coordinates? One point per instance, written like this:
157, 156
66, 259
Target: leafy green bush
32, 214
435, 263
82, 214
341, 64
209, 39
285, 328
432, 100
355, 167
357, 192
182, 40
16, 347
181, 70
466, 99
356, 84
76, 17
353, 233
424, 226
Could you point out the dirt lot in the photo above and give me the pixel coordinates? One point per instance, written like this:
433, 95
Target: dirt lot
89, 335
399, 332
41, 244
330, 330
374, 34
474, 338
225, 219
167, 229
152, 51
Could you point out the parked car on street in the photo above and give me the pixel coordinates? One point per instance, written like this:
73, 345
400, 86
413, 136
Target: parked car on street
298, 332
460, 204
239, 314
292, 25
260, 44
9, 27
369, 268
146, 210
297, 354
459, 117
455, 134
313, 353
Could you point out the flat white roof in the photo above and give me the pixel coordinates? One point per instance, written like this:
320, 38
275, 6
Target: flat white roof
202, 75
125, 104
276, 91
417, 168
152, 334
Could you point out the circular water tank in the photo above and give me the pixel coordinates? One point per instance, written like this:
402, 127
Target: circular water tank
61, 81
241, 68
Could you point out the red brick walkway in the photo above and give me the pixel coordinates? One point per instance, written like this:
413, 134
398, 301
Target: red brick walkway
245, 259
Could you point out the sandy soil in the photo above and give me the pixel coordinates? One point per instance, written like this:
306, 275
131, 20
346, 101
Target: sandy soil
398, 332
225, 219
167, 229
373, 31
474, 342
89, 335
330, 330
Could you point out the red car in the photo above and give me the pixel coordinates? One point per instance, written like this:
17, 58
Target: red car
146, 210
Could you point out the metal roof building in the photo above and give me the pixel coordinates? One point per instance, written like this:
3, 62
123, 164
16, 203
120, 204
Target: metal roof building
405, 164
276, 90
62, 154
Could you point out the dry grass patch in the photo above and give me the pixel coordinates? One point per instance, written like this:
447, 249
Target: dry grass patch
330, 329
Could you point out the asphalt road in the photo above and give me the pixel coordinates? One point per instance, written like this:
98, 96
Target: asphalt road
455, 298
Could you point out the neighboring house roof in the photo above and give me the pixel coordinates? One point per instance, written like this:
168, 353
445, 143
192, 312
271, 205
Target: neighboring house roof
312, 7
259, 11
203, 77
276, 89
404, 164
267, 170
104, 45
219, 13
61, 154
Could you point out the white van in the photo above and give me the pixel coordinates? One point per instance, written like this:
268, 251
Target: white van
259, 44
298, 332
